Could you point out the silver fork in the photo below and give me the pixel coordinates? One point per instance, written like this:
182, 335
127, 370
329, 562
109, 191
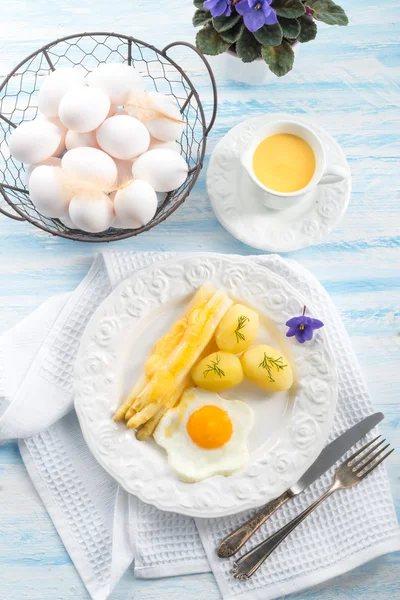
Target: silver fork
349, 473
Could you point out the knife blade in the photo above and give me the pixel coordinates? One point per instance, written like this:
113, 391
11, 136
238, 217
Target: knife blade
326, 459
333, 451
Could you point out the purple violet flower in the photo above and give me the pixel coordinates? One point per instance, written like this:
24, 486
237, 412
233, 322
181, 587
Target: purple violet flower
256, 13
218, 7
303, 327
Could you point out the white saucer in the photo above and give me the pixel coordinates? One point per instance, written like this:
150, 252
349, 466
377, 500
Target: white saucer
237, 201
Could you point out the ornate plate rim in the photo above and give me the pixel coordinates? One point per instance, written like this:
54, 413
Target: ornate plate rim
298, 243
312, 414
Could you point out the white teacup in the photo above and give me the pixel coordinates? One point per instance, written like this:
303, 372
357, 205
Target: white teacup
321, 176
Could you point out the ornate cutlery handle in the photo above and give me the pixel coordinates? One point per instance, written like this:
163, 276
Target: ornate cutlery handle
248, 564
235, 540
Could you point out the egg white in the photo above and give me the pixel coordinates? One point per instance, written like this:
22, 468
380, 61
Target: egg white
117, 80
48, 192
123, 137
189, 461
135, 205
92, 166
55, 86
35, 141
84, 109
164, 170
53, 161
91, 213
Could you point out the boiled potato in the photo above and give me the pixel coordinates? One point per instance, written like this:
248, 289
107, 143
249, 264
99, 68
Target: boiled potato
218, 371
237, 329
268, 368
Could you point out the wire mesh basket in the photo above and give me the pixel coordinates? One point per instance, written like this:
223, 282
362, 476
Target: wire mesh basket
18, 103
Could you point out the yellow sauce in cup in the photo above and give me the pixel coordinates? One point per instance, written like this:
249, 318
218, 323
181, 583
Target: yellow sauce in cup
284, 162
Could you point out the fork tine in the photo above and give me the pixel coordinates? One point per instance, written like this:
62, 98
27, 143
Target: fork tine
373, 457
375, 465
353, 456
364, 456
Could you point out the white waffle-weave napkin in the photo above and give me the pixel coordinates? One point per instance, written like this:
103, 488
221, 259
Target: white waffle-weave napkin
103, 528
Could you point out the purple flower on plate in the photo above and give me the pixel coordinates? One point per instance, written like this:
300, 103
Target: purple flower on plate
218, 7
303, 327
256, 13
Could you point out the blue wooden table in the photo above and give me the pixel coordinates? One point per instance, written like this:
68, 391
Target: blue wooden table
348, 81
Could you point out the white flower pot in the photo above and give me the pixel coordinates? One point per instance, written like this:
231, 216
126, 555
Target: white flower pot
229, 67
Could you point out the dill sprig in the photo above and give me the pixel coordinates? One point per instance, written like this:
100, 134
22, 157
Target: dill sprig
214, 367
242, 320
270, 362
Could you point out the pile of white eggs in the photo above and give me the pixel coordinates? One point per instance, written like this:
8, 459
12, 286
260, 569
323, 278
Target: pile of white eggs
100, 148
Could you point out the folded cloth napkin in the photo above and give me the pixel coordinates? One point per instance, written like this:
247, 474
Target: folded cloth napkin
104, 529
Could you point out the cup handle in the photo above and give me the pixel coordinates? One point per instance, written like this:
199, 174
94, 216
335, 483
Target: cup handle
333, 175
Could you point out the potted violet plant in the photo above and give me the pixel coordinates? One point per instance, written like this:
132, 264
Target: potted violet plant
265, 33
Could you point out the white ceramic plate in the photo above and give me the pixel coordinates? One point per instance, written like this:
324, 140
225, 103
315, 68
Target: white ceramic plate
291, 427
237, 201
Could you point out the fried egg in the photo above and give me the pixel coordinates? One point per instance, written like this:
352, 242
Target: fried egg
205, 435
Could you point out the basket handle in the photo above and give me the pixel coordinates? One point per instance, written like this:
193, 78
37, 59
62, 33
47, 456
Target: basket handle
210, 73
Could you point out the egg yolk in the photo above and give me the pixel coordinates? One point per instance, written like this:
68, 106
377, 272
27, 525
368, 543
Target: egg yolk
209, 427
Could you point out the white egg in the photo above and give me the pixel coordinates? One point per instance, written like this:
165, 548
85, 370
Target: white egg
112, 111
53, 161
162, 100
48, 191
165, 129
163, 103
135, 205
164, 170
157, 144
124, 168
205, 435
55, 120
116, 79
67, 221
146, 106
63, 130
35, 141
73, 139
91, 213
61, 127
123, 137
84, 109
55, 86
91, 166
169, 127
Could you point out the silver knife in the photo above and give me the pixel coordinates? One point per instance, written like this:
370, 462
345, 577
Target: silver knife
329, 455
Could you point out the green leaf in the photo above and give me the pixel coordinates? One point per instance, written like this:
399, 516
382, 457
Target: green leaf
233, 34
269, 35
209, 41
308, 29
247, 47
224, 23
290, 27
201, 17
279, 58
328, 12
288, 8
198, 3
